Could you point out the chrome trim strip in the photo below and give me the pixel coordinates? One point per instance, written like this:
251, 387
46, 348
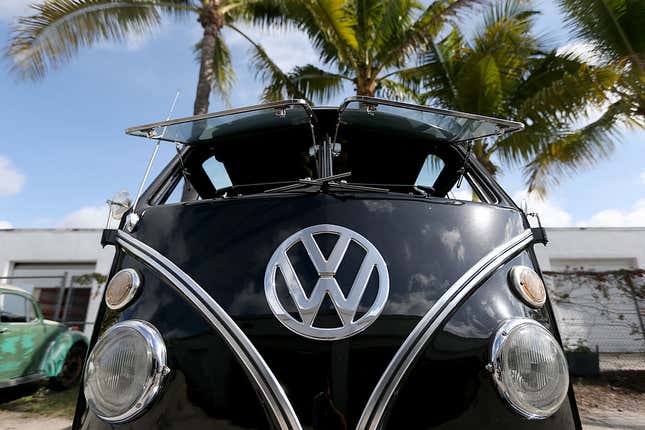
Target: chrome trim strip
249, 357
22, 380
413, 345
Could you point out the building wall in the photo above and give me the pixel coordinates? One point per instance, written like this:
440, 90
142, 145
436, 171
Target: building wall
57, 246
599, 249
602, 312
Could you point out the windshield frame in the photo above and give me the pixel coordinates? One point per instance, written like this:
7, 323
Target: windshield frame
505, 126
157, 130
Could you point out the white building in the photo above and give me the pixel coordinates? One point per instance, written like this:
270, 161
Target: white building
602, 312
43, 260
593, 248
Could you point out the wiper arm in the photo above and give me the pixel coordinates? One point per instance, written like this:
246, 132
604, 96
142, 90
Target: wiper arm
328, 183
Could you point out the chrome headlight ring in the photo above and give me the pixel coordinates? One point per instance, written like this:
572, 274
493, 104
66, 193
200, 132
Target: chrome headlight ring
529, 368
110, 356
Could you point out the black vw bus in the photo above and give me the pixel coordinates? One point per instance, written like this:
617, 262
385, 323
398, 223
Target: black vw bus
347, 267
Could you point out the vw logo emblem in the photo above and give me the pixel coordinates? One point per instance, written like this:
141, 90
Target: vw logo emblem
326, 285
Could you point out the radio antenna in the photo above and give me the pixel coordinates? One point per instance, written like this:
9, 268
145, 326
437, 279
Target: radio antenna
133, 218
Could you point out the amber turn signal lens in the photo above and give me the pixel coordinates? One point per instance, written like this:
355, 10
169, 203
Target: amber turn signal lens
122, 288
528, 285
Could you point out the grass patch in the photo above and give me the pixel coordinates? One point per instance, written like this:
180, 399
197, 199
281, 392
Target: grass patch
45, 402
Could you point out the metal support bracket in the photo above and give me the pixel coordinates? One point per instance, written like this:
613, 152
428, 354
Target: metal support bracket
108, 237
539, 232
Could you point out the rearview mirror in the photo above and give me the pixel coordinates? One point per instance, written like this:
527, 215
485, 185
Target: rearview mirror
119, 204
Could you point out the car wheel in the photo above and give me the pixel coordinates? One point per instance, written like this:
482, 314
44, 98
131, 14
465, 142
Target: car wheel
70, 374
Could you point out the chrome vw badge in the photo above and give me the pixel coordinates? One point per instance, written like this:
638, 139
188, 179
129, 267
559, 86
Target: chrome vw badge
326, 285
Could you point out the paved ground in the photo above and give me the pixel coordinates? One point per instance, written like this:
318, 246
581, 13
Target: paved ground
26, 421
599, 420
614, 402
612, 419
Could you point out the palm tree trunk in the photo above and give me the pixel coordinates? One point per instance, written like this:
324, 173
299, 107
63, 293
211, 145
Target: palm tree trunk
365, 88
212, 22
365, 84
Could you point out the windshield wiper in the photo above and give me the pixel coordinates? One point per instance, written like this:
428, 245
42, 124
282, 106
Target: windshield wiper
327, 184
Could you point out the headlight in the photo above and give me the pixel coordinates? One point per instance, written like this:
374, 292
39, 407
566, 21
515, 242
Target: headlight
125, 370
529, 368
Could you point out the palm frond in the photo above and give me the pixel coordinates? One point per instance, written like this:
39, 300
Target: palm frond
411, 82
330, 27
58, 29
396, 19
368, 15
567, 153
316, 84
263, 13
506, 30
480, 88
423, 30
555, 93
278, 83
615, 27
561, 86
397, 90
442, 62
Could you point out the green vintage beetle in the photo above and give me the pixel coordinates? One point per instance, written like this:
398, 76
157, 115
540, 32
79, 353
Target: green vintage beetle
33, 348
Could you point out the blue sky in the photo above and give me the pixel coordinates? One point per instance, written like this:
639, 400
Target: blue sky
63, 151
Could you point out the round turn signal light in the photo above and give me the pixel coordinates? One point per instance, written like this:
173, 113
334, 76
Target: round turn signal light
122, 288
528, 285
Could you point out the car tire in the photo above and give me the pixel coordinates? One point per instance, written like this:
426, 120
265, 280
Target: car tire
70, 374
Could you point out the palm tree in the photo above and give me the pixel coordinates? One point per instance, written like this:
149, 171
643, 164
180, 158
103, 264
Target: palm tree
504, 70
59, 28
360, 42
614, 29
501, 70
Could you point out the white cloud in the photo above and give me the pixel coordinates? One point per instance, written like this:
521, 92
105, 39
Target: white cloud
86, 217
4, 225
551, 215
131, 42
452, 239
585, 50
642, 176
11, 179
464, 193
9, 9
287, 48
635, 217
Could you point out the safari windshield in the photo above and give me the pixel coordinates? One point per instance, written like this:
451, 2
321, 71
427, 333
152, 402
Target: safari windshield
372, 142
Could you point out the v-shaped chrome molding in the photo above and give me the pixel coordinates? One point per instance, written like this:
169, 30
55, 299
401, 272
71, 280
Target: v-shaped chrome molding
274, 396
276, 399
413, 345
